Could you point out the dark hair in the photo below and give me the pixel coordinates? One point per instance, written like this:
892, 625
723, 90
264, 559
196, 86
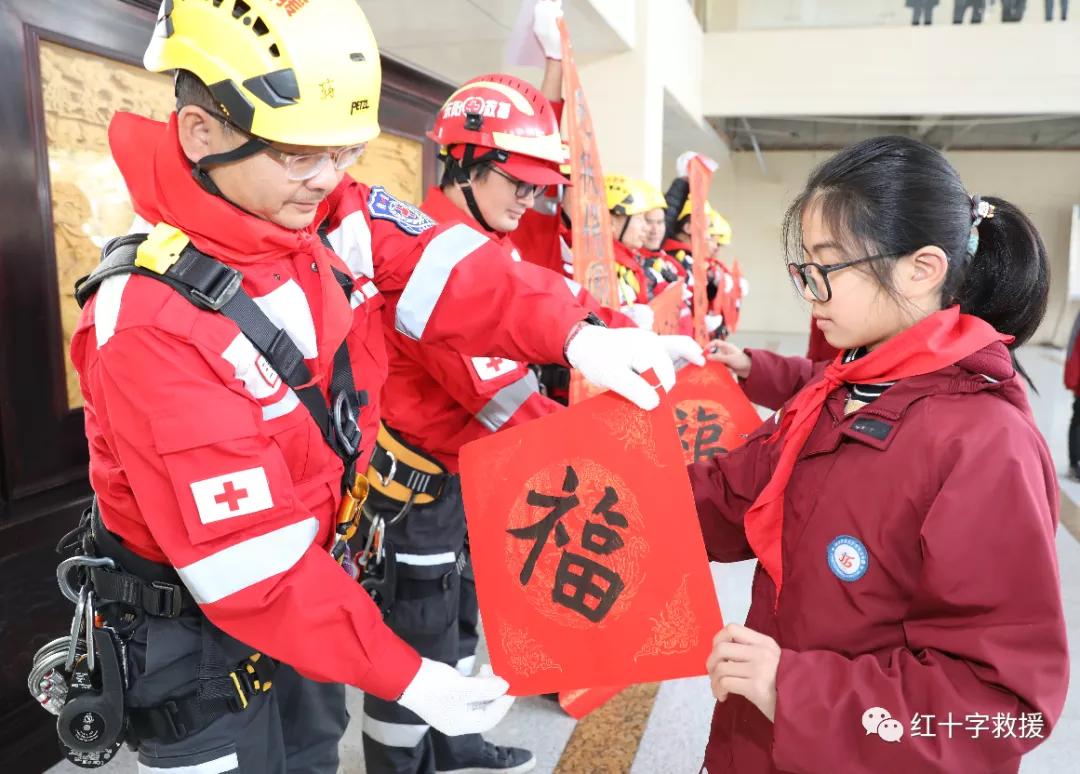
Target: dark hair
476, 172
191, 91
894, 195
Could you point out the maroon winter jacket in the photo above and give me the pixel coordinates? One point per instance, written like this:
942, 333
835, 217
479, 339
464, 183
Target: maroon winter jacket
948, 485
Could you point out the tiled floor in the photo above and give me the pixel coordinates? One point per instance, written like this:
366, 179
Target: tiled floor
678, 724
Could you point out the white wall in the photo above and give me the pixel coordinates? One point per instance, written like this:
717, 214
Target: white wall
938, 70
1045, 184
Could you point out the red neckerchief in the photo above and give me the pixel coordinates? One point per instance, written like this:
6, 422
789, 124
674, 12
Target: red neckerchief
158, 178
940, 340
672, 246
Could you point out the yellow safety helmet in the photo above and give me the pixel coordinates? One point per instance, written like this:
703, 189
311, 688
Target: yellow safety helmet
719, 228
297, 72
688, 208
628, 196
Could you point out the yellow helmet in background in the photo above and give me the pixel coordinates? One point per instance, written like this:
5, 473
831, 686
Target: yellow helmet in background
306, 72
628, 196
719, 228
688, 209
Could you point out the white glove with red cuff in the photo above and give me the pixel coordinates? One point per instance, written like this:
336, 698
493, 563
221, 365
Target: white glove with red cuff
682, 164
454, 704
546, 27
615, 358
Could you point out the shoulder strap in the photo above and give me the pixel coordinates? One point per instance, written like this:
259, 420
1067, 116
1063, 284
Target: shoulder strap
211, 285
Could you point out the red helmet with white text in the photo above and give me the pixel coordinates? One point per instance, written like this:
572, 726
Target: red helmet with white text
503, 120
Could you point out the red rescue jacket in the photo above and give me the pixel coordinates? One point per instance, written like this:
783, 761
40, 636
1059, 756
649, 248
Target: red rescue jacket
948, 487
439, 400
202, 458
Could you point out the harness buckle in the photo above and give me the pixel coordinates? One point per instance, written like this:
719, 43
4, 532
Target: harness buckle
346, 428
221, 290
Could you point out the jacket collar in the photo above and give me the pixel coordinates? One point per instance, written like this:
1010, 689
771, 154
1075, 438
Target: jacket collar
439, 207
989, 370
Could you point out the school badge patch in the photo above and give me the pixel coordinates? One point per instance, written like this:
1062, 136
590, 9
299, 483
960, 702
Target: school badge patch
405, 216
848, 558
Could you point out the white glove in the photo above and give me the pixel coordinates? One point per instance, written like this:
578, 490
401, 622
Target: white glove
729, 283
682, 164
454, 704
614, 357
713, 322
546, 28
744, 287
642, 315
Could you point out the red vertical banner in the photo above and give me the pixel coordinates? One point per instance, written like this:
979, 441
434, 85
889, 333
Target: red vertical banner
594, 257
733, 307
666, 307
700, 180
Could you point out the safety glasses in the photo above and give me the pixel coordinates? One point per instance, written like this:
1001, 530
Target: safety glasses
303, 166
522, 189
816, 277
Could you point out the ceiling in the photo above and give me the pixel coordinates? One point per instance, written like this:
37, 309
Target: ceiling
1032, 132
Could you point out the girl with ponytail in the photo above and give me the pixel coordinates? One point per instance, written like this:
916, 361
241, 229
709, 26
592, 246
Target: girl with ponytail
902, 505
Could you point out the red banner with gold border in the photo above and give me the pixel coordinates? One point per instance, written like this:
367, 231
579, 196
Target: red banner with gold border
712, 414
590, 566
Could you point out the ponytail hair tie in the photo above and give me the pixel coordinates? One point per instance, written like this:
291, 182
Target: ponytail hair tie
980, 210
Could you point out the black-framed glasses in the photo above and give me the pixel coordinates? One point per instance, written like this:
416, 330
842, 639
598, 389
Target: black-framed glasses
816, 277
302, 166
522, 190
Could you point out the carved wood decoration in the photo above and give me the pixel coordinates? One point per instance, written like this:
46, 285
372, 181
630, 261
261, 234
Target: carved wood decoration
65, 67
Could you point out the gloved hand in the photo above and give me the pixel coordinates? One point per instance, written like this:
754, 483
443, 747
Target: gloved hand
454, 704
682, 164
615, 357
642, 315
546, 28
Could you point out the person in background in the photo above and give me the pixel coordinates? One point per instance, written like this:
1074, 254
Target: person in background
922, 11
978, 7
1050, 10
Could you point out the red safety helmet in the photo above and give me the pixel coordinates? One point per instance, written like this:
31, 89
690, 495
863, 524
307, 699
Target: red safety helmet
504, 120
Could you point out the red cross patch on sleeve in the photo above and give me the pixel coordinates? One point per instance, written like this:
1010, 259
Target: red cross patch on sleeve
231, 495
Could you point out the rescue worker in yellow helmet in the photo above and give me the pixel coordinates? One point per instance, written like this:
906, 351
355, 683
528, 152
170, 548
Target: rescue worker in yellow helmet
628, 201
232, 360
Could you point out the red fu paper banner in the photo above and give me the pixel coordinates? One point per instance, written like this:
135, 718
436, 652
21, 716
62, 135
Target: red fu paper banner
700, 180
666, 308
590, 566
712, 415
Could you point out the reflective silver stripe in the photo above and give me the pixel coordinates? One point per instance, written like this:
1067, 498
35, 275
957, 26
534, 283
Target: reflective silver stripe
575, 288
426, 560
429, 278
107, 308
235, 568
394, 734
217, 766
507, 401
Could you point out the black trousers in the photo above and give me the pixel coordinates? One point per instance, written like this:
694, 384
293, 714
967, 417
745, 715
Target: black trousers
977, 9
293, 728
435, 610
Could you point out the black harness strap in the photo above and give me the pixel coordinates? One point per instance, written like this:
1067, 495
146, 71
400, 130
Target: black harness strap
210, 284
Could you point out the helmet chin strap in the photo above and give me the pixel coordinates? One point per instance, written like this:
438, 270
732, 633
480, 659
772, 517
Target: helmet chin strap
461, 174
200, 172
625, 225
